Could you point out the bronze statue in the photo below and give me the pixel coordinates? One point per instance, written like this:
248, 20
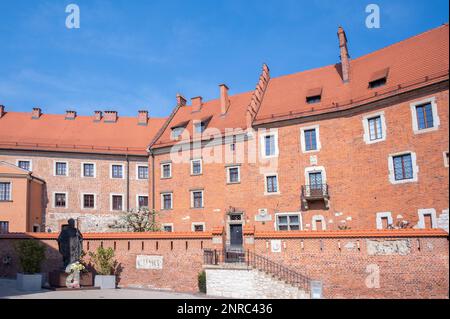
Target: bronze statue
70, 243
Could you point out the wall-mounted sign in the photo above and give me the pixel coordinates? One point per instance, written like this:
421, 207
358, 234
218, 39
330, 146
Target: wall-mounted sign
313, 160
149, 262
263, 215
275, 246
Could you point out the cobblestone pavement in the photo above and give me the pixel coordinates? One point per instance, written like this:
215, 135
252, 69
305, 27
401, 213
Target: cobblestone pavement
8, 291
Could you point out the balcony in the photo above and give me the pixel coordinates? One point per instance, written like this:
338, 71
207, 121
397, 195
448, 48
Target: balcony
317, 192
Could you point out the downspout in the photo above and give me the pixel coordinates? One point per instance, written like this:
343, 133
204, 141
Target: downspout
128, 182
153, 186
28, 218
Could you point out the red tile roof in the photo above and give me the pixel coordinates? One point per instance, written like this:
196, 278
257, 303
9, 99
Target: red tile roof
54, 133
406, 63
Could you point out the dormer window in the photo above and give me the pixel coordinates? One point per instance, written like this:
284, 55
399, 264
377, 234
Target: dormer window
378, 78
314, 96
201, 125
177, 130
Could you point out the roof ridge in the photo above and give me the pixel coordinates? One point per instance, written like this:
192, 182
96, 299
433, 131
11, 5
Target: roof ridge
84, 116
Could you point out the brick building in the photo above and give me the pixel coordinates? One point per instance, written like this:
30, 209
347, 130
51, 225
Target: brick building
94, 167
362, 143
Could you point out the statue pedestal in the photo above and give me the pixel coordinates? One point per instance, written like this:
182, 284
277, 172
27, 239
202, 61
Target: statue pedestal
57, 279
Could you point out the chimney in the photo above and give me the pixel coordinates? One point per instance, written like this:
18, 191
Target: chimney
142, 117
197, 103
2, 111
181, 100
110, 117
71, 115
98, 116
345, 58
224, 99
36, 113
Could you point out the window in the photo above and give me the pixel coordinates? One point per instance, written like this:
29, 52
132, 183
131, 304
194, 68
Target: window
88, 201
166, 170
36, 228
310, 140
272, 184
142, 201
288, 222
24, 164
168, 228
197, 199
198, 227
403, 167
446, 159
166, 201
377, 83
427, 218
200, 127
88, 170
375, 130
5, 191
4, 227
269, 145
116, 171
313, 99
315, 180
117, 202
61, 169
234, 174
384, 220
177, 131
196, 167
424, 116
61, 200
142, 172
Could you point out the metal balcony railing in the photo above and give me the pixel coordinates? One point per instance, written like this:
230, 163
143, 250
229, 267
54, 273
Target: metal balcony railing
317, 191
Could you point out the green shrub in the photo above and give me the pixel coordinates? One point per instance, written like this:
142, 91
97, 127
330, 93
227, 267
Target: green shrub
103, 260
31, 255
202, 282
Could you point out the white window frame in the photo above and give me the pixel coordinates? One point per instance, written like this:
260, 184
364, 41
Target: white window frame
300, 220
379, 219
262, 140
198, 224
137, 199
422, 213
162, 200
137, 172
302, 138
82, 201
316, 218
167, 224
445, 158
111, 202
111, 170
415, 168
228, 174
192, 166
162, 170
436, 120
54, 200
54, 168
10, 190
266, 193
366, 127
82, 170
25, 160
192, 198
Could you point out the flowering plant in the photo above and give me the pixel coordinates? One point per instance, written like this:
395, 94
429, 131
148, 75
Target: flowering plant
76, 267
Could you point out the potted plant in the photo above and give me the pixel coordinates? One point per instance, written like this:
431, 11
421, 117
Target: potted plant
31, 255
104, 265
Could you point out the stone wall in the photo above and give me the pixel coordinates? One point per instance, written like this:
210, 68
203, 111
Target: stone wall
244, 283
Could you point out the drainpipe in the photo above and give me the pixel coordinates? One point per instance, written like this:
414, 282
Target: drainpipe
128, 183
153, 185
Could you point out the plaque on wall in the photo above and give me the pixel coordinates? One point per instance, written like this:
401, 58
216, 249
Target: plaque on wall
263, 215
149, 262
276, 246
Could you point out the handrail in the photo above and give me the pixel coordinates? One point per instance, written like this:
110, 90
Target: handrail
315, 191
261, 263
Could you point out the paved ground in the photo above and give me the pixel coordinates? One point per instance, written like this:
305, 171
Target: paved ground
8, 291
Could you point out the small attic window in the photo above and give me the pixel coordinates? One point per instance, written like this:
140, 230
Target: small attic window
314, 96
200, 126
178, 129
378, 78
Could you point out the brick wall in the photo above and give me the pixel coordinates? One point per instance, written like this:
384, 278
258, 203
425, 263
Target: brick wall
90, 220
182, 257
411, 264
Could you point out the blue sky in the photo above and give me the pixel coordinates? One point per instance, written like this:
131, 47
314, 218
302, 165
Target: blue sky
137, 54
